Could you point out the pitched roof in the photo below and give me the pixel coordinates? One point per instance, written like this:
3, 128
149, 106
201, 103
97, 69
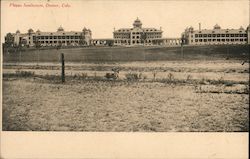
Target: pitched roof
210, 31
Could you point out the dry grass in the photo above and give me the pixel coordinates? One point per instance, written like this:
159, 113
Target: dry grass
120, 106
162, 96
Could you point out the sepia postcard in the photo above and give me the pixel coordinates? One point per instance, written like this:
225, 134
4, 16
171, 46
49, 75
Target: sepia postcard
125, 79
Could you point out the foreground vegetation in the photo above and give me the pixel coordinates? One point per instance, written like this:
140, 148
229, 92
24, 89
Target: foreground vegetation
158, 96
37, 104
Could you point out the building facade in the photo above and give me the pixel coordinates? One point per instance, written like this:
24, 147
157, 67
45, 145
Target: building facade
215, 36
137, 35
60, 37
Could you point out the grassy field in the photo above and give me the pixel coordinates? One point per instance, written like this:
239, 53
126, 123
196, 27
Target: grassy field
169, 96
132, 54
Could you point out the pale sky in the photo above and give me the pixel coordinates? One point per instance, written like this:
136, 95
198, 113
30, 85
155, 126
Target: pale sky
102, 16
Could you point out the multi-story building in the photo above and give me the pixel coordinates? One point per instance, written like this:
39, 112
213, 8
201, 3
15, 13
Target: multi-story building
60, 37
248, 34
216, 36
137, 35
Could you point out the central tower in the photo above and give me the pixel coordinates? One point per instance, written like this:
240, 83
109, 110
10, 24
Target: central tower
137, 23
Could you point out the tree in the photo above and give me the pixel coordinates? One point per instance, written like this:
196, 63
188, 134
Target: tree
9, 40
110, 42
23, 42
37, 44
59, 46
143, 37
82, 40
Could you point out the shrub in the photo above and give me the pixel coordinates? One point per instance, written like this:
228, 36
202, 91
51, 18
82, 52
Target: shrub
25, 73
170, 76
202, 81
133, 76
154, 74
189, 77
84, 75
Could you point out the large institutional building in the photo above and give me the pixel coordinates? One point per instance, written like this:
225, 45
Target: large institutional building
60, 37
216, 36
137, 35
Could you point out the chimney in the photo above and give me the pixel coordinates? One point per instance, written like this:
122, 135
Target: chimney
199, 26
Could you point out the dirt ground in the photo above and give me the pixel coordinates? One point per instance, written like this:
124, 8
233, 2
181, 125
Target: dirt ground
40, 105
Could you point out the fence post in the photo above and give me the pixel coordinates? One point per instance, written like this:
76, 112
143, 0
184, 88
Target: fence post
63, 72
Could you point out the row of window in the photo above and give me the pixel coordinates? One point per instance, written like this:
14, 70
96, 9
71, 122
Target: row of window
55, 42
220, 35
123, 30
136, 33
133, 41
136, 37
52, 33
57, 37
223, 40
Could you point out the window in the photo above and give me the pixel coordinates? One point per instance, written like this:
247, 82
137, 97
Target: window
218, 35
209, 35
241, 39
196, 35
46, 37
232, 35
214, 39
214, 35
222, 35
59, 37
196, 40
200, 40
205, 35
227, 39
241, 35
205, 40
209, 39
236, 35
218, 39
63, 37
227, 35
232, 39
200, 35
55, 37
223, 40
